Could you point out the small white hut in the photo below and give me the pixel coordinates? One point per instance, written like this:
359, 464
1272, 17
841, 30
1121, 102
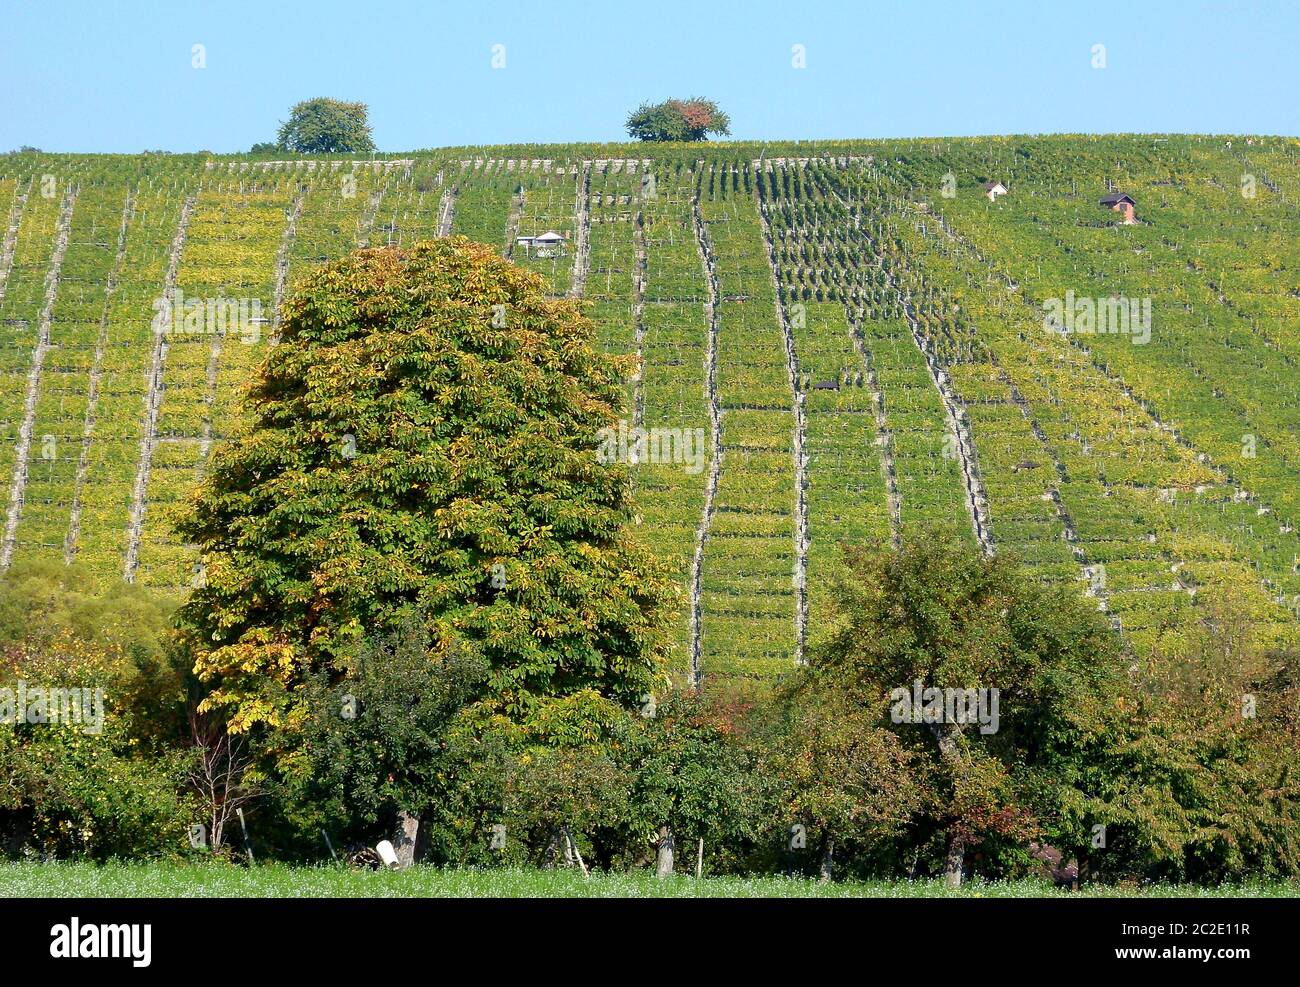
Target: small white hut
994, 189
548, 244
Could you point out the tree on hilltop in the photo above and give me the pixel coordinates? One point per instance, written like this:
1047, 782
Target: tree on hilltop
691, 119
327, 126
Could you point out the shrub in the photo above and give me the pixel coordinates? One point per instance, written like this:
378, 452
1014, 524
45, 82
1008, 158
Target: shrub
99, 788
41, 601
375, 741
1200, 780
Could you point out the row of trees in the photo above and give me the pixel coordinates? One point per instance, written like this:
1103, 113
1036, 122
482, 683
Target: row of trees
1151, 772
331, 126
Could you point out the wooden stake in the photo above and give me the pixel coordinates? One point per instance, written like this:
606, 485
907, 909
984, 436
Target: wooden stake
248, 847
576, 852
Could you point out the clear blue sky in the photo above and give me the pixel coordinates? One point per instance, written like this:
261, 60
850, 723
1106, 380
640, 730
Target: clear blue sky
116, 75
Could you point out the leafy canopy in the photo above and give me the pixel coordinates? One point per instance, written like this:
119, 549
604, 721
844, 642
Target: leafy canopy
327, 126
691, 119
377, 741
422, 446
939, 613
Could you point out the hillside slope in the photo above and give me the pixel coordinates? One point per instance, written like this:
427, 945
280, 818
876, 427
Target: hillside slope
842, 341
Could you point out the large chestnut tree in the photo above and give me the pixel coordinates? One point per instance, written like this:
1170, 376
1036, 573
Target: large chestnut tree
422, 444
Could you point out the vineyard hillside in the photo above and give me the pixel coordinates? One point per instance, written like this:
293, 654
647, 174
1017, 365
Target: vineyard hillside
837, 341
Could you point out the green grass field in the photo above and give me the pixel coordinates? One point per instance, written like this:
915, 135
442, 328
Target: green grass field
276, 881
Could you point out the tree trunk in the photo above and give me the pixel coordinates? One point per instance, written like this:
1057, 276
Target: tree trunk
664, 853
243, 828
408, 828
946, 734
953, 861
556, 846
827, 869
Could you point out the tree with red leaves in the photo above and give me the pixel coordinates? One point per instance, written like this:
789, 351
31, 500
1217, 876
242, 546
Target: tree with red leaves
692, 119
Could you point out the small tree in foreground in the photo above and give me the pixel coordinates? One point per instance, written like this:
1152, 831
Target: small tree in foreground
691, 119
376, 742
839, 771
693, 782
326, 126
938, 622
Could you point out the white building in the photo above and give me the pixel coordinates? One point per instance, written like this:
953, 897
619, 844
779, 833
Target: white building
548, 244
994, 189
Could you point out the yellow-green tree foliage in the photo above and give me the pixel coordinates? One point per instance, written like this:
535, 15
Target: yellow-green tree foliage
423, 442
